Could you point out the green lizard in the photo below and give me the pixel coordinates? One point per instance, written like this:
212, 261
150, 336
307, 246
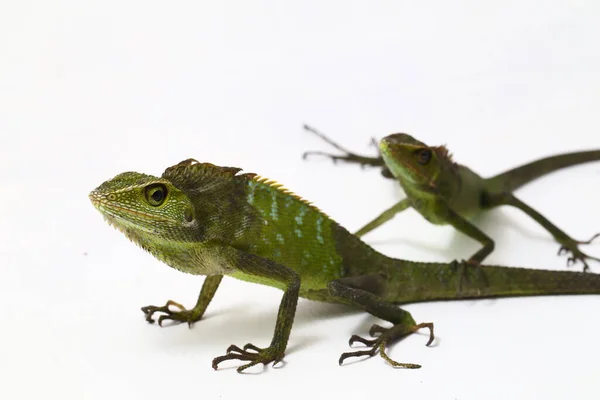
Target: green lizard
445, 192
208, 220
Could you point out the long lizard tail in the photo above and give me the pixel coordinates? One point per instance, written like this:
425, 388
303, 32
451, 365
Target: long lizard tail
512, 179
415, 282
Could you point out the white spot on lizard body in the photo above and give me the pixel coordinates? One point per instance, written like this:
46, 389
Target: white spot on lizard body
280, 238
320, 229
274, 210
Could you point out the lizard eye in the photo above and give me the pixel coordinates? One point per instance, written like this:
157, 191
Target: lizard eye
423, 156
156, 194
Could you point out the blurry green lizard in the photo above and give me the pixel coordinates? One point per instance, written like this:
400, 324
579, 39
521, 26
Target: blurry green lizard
208, 220
445, 192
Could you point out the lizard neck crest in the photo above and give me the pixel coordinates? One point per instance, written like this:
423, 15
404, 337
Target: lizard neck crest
196, 177
444, 154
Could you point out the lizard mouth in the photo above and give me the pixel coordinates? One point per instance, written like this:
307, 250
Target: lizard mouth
109, 217
115, 221
117, 217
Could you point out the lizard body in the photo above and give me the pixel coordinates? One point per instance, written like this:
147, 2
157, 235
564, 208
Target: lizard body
445, 192
208, 220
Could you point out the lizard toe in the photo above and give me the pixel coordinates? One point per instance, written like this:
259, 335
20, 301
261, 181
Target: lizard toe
258, 355
384, 336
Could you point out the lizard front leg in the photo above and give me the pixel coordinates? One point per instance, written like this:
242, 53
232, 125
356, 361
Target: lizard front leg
348, 156
367, 293
209, 288
384, 217
250, 265
461, 224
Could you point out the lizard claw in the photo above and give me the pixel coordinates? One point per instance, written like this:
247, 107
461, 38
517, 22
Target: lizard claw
366, 342
256, 356
381, 337
181, 315
571, 246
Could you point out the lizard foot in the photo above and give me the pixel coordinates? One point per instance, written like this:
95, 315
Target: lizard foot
181, 315
347, 156
256, 356
378, 344
572, 246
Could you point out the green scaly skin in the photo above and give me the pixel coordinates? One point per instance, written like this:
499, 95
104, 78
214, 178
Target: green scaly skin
208, 220
445, 192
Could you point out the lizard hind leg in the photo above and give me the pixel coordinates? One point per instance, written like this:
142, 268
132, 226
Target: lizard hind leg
567, 243
367, 292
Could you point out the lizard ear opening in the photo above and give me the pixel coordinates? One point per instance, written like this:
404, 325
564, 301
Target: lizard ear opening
188, 214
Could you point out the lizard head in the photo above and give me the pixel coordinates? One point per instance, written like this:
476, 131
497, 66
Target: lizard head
143, 205
411, 160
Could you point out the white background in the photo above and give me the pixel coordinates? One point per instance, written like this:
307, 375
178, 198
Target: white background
92, 89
